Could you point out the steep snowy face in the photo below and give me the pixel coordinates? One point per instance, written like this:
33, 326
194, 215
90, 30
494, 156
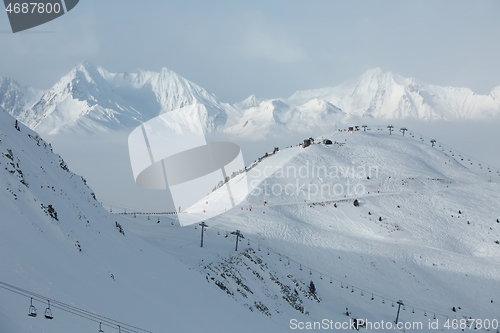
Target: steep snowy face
156, 93
386, 95
82, 101
33, 178
495, 94
16, 98
91, 100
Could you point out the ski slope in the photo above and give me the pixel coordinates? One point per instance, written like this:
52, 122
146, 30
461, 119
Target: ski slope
435, 247
155, 277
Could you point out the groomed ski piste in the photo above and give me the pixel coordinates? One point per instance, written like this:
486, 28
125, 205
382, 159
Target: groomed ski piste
424, 232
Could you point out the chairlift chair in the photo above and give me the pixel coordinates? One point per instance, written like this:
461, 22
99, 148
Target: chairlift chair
32, 310
48, 311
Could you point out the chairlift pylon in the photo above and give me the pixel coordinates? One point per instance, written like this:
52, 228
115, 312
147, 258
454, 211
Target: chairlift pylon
32, 310
48, 311
100, 328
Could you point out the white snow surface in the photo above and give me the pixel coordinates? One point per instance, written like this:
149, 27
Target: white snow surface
423, 252
435, 247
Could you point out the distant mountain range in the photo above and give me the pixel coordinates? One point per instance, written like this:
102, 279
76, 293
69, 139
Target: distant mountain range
90, 99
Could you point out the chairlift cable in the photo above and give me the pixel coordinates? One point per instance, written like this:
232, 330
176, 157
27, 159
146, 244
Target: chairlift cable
72, 309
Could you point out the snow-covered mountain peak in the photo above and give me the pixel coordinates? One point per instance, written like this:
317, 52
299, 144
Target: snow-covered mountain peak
384, 94
91, 99
88, 70
154, 93
82, 101
249, 102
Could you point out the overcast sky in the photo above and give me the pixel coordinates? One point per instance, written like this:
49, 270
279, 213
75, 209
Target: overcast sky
270, 48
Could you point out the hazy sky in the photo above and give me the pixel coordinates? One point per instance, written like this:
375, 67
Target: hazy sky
271, 48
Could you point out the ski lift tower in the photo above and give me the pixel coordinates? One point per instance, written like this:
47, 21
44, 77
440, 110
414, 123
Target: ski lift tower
390, 127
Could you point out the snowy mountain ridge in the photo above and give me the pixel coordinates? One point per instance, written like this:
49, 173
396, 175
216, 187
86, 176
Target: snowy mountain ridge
82, 100
91, 99
386, 95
